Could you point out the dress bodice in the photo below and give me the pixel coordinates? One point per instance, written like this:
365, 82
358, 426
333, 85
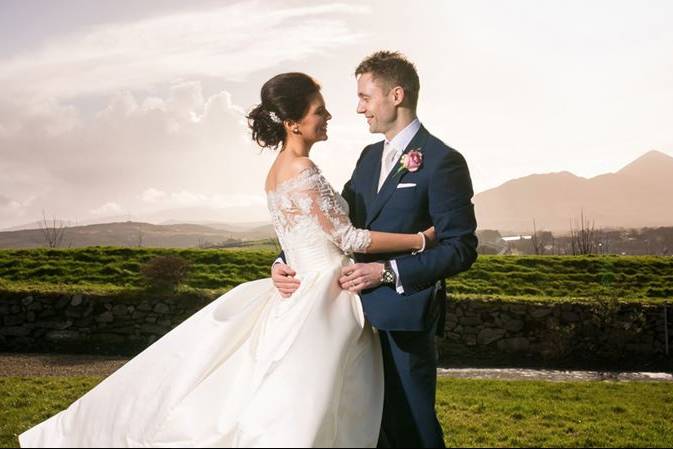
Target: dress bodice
312, 223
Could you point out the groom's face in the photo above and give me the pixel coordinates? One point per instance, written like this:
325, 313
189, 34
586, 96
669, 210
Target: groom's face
376, 103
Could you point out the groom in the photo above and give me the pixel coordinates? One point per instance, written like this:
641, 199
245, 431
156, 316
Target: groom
403, 295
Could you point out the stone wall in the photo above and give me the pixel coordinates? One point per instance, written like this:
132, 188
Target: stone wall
90, 324
126, 324
606, 330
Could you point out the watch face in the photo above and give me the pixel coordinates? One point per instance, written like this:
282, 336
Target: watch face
388, 277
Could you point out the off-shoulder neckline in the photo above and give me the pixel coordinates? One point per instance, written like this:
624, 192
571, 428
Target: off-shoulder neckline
303, 173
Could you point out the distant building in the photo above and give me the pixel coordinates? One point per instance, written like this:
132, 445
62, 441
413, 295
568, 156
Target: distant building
517, 238
517, 244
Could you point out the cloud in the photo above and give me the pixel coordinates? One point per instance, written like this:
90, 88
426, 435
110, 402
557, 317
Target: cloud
185, 198
107, 209
152, 195
226, 43
129, 134
43, 118
12, 209
119, 110
182, 148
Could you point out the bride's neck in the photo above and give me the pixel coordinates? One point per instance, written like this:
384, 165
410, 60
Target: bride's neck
298, 147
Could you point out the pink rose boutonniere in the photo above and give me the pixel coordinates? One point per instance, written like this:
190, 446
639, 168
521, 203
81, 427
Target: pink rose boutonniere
411, 161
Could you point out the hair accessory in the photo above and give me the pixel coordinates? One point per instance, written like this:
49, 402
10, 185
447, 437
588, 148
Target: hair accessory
275, 118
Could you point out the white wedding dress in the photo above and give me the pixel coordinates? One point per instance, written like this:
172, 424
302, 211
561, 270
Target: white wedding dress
251, 369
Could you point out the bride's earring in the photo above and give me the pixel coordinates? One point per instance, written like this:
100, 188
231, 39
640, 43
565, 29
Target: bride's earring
295, 130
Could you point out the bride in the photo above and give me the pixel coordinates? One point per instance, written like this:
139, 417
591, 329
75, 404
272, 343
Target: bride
255, 368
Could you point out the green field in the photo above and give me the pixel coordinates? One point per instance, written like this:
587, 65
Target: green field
473, 413
100, 268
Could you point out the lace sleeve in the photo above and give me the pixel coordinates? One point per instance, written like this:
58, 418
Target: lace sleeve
317, 199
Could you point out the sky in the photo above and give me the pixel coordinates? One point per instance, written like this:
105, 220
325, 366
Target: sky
136, 109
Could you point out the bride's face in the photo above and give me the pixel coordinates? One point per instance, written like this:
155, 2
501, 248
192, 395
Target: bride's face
313, 126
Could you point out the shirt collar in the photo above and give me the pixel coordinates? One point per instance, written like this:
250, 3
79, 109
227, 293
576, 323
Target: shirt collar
403, 138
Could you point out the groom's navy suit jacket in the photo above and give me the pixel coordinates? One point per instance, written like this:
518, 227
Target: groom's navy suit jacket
441, 198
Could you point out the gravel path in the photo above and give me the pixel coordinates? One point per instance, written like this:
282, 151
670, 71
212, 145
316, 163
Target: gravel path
552, 375
58, 364
96, 365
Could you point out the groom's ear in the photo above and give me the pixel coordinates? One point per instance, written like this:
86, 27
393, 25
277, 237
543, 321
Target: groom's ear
398, 95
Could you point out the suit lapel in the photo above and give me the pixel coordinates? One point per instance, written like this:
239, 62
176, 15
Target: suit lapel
375, 174
390, 184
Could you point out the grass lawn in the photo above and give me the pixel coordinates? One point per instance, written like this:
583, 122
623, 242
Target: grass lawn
632, 278
480, 413
473, 413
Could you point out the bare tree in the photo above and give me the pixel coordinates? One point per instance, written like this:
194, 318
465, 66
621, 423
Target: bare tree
53, 232
603, 245
538, 241
542, 241
584, 239
140, 235
204, 243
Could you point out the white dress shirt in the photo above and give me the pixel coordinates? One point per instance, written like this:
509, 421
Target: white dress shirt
392, 150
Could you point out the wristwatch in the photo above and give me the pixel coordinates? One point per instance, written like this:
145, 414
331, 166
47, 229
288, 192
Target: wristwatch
388, 275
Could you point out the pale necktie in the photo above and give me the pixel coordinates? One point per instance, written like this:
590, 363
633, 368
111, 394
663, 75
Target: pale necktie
390, 156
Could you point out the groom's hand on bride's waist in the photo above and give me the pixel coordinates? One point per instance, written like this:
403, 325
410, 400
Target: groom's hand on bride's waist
361, 276
284, 279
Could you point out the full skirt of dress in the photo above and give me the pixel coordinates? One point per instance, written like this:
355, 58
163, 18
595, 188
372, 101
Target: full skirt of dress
251, 369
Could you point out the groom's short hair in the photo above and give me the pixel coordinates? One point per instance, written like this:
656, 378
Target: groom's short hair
393, 69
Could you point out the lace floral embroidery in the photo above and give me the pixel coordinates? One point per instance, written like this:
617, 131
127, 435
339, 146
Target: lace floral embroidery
307, 205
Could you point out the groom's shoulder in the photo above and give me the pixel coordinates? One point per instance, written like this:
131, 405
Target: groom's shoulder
369, 149
372, 146
436, 148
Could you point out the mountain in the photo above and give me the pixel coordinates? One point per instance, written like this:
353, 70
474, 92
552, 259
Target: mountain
208, 215
36, 225
638, 195
134, 234
230, 227
219, 218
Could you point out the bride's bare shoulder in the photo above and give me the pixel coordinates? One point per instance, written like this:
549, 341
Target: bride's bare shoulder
284, 170
299, 164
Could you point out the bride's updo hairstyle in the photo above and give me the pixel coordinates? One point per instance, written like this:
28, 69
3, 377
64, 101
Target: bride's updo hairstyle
284, 97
